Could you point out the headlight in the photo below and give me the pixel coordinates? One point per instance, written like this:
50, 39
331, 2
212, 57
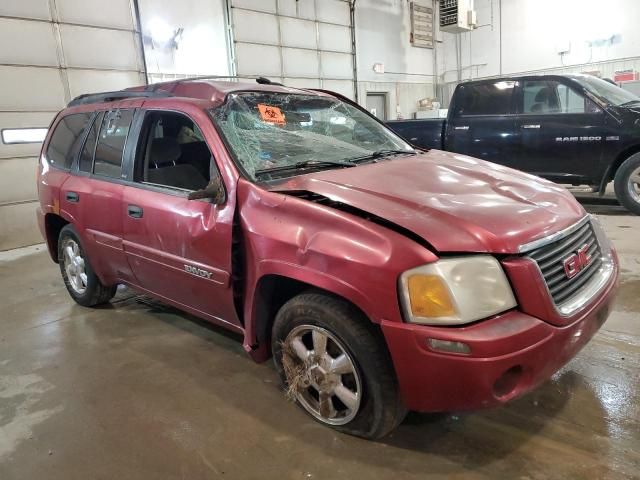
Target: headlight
455, 290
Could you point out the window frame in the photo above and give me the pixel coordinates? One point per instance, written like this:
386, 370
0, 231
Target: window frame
138, 149
53, 129
557, 81
513, 104
124, 167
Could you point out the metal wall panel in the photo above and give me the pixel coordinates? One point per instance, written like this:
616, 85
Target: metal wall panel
298, 33
300, 63
300, 42
334, 38
333, 11
22, 120
259, 5
91, 81
256, 60
26, 8
18, 226
41, 34
24, 190
336, 65
110, 13
31, 89
255, 27
89, 47
51, 51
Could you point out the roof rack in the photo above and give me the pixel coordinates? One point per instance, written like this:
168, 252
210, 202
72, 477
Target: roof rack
114, 96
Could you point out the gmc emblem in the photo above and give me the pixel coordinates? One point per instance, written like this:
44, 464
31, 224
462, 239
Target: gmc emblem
577, 261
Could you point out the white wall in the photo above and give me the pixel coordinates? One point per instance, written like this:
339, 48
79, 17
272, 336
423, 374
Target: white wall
382, 36
603, 36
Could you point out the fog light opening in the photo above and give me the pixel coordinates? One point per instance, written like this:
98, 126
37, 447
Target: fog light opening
449, 346
505, 385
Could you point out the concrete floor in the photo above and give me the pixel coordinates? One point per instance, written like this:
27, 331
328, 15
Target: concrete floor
138, 390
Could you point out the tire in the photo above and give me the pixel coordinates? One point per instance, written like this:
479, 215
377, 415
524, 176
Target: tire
627, 184
370, 407
81, 281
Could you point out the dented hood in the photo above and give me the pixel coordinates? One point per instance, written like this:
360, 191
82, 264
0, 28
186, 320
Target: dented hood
454, 202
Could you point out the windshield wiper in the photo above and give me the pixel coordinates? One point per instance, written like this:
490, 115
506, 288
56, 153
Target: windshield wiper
382, 153
305, 164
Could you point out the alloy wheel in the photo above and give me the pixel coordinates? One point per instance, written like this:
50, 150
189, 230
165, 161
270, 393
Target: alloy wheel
74, 266
327, 383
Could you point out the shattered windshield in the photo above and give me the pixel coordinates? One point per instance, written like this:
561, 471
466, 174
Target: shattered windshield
269, 131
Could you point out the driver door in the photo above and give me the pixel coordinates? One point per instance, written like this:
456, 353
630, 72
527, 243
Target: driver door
178, 249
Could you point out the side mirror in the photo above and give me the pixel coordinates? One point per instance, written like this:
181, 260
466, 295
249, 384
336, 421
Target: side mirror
214, 191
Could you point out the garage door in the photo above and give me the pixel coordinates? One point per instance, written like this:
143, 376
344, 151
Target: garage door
303, 43
50, 52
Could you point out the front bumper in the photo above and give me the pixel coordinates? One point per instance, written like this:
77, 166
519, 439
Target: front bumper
510, 355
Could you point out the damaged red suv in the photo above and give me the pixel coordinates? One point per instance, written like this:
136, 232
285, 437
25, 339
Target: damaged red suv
380, 278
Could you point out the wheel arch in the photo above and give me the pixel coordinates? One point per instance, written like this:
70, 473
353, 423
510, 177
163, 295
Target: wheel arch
53, 224
273, 290
611, 171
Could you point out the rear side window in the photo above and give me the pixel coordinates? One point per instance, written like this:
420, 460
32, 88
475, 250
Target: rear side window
66, 139
111, 141
485, 98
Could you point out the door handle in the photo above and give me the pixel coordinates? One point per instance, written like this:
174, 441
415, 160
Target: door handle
134, 211
72, 197
531, 125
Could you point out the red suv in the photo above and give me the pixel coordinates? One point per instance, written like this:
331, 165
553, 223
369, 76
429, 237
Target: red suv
380, 277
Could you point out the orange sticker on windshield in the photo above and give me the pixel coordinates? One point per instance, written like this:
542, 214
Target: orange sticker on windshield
271, 114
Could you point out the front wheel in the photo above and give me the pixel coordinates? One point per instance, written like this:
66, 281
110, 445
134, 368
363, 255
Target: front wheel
627, 184
335, 366
82, 283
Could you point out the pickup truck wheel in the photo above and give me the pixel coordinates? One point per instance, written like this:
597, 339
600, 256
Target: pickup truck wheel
82, 283
335, 366
627, 184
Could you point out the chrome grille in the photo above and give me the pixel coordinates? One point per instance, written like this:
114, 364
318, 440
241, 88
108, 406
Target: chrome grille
550, 260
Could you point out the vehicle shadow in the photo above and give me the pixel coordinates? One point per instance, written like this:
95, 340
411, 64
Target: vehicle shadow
474, 441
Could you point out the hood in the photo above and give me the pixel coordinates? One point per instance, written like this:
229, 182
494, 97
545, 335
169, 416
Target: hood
454, 202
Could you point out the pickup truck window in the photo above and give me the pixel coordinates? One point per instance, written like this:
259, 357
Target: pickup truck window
66, 139
493, 98
113, 135
549, 96
266, 130
611, 94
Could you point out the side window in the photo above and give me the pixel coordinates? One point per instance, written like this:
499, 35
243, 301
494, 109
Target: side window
485, 98
86, 156
66, 139
172, 153
113, 135
546, 96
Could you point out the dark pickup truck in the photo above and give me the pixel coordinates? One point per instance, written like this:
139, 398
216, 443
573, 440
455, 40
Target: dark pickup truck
572, 129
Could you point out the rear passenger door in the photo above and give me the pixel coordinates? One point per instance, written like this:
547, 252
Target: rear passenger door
482, 122
178, 249
561, 131
92, 196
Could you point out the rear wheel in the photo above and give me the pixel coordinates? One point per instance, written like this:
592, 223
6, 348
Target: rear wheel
335, 366
82, 283
627, 184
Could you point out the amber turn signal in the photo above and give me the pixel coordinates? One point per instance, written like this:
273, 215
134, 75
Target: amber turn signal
429, 297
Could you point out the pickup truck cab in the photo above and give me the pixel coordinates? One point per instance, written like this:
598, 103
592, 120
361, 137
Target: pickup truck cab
572, 129
379, 277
